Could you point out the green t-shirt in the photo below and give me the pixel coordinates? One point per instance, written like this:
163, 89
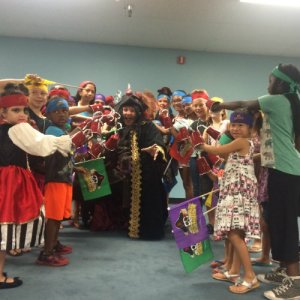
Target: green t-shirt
277, 135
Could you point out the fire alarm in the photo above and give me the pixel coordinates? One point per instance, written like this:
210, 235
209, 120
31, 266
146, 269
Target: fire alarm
181, 60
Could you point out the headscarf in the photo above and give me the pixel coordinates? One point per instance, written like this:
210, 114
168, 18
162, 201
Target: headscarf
13, 100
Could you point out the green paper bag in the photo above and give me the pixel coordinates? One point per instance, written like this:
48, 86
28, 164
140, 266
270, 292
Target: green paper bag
95, 183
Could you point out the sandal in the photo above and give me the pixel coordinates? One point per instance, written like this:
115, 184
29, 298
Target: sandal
243, 287
15, 252
255, 249
216, 263
8, 285
220, 269
26, 250
259, 263
225, 276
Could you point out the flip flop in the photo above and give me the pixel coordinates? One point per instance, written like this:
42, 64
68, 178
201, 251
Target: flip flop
253, 249
14, 252
258, 263
216, 263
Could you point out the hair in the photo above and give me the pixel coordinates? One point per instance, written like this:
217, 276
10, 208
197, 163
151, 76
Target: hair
13, 89
199, 91
77, 97
283, 87
149, 99
165, 90
139, 106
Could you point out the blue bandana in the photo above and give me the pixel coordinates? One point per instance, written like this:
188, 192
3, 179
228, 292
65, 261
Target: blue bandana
55, 104
179, 93
241, 117
161, 96
187, 100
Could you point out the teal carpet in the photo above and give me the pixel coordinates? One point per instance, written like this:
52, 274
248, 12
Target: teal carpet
109, 266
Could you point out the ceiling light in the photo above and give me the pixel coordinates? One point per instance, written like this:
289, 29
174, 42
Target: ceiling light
274, 2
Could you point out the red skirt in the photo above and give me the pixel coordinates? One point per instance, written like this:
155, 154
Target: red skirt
20, 196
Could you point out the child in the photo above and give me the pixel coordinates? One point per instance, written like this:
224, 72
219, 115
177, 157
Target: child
181, 121
237, 215
86, 96
201, 184
58, 188
20, 213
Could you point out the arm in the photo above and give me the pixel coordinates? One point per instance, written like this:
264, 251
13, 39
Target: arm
162, 129
238, 145
78, 109
257, 158
36, 143
212, 176
297, 143
4, 82
249, 104
205, 136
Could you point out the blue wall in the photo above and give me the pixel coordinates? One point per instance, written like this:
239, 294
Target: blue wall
230, 76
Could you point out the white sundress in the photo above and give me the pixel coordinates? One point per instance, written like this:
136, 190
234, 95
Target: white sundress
237, 206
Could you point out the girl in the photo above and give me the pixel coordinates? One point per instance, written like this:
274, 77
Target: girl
237, 215
216, 122
180, 121
280, 146
86, 95
21, 219
201, 184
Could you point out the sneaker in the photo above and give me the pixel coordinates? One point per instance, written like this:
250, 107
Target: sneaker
52, 260
276, 276
62, 249
288, 290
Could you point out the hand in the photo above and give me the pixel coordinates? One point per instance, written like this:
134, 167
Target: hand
213, 105
81, 170
164, 112
152, 150
96, 107
85, 124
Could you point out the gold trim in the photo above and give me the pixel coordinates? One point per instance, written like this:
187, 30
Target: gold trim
161, 150
134, 221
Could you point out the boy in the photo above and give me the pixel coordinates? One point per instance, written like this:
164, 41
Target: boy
58, 188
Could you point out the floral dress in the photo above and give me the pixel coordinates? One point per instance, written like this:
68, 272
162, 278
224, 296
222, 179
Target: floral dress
238, 207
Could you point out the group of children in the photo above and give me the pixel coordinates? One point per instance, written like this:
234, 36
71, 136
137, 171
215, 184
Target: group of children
237, 215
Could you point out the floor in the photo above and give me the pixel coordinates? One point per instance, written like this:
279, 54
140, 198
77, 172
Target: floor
108, 265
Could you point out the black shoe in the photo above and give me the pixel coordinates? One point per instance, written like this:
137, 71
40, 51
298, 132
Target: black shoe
9, 285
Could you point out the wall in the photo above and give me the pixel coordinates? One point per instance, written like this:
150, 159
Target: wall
231, 76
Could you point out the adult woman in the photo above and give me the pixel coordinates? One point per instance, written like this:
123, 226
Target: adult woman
280, 145
135, 172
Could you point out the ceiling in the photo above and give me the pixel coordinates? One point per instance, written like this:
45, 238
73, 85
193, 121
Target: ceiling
201, 25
